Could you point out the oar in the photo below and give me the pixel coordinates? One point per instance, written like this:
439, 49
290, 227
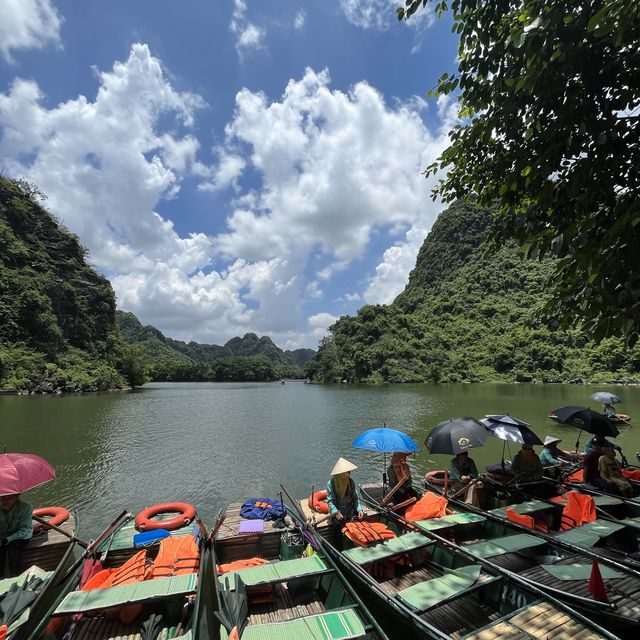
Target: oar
71, 536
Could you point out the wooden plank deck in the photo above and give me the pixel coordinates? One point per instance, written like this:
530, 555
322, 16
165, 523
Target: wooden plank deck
46, 549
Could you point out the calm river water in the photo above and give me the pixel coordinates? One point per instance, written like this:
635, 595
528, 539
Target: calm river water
211, 444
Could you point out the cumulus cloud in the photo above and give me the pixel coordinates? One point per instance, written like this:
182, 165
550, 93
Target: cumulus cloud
249, 37
28, 24
380, 15
334, 169
298, 21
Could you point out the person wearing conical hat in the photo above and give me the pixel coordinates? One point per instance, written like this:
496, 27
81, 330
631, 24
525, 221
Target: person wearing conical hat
342, 493
552, 457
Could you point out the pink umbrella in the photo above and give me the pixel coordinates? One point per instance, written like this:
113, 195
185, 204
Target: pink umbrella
22, 471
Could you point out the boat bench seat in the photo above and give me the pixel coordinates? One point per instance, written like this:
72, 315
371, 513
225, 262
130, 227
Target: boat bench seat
276, 572
578, 571
606, 501
80, 601
430, 593
451, 520
525, 508
388, 548
341, 624
123, 537
590, 533
505, 544
632, 522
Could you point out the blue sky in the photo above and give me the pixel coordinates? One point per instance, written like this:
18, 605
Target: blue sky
231, 167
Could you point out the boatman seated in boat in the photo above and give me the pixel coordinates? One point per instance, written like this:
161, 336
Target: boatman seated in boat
463, 473
342, 493
399, 478
602, 441
16, 529
591, 466
552, 457
526, 465
611, 471
608, 410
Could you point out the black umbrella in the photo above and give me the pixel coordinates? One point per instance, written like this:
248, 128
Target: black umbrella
586, 420
515, 431
456, 435
234, 606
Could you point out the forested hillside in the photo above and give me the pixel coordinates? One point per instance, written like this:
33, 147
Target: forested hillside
469, 313
247, 358
57, 315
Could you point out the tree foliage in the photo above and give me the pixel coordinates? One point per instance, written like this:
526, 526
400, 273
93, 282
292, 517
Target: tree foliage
549, 95
468, 315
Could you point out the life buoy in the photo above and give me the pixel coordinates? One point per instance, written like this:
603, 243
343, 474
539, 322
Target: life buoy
436, 478
186, 513
318, 502
56, 516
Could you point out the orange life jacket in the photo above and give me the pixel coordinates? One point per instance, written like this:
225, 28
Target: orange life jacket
632, 474
526, 521
577, 476
177, 555
429, 506
580, 509
241, 564
367, 533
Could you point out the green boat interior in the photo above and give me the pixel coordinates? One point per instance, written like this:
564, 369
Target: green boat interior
291, 597
164, 605
447, 590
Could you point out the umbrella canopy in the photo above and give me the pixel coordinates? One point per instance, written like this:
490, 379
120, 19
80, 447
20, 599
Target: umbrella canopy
233, 606
520, 433
605, 397
385, 440
586, 420
509, 420
22, 471
456, 435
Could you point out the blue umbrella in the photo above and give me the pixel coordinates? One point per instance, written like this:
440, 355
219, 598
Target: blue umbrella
605, 396
385, 440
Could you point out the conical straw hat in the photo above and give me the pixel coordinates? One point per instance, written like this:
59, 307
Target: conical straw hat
551, 439
342, 466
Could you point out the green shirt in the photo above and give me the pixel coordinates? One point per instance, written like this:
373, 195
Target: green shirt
16, 524
528, 468
458, 470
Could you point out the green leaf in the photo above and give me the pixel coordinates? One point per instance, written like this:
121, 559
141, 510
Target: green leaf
527, 170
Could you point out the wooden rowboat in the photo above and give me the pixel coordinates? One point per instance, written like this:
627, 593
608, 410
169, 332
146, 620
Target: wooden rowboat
282, 594
556, 562
424, 587
183, 601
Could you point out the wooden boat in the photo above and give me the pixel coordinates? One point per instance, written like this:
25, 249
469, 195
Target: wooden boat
425, 587
288, 596
149, 583
556, 561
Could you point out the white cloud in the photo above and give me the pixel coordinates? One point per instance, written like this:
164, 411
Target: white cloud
300, 18
380, 15
28, 24
249, 37
335, 169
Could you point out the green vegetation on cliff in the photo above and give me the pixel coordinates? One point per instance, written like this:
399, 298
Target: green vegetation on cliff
249, 358
468, 315
57, 315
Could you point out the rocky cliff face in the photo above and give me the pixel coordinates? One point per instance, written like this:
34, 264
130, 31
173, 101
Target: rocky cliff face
51, 300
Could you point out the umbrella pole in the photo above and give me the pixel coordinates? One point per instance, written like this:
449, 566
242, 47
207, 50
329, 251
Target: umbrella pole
384, 474
504, 476
578, 441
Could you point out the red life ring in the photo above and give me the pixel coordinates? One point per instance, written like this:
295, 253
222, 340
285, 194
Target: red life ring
317, 502
436, 478
56, 515
186, 513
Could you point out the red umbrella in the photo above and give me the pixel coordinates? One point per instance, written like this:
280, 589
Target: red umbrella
22, 471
